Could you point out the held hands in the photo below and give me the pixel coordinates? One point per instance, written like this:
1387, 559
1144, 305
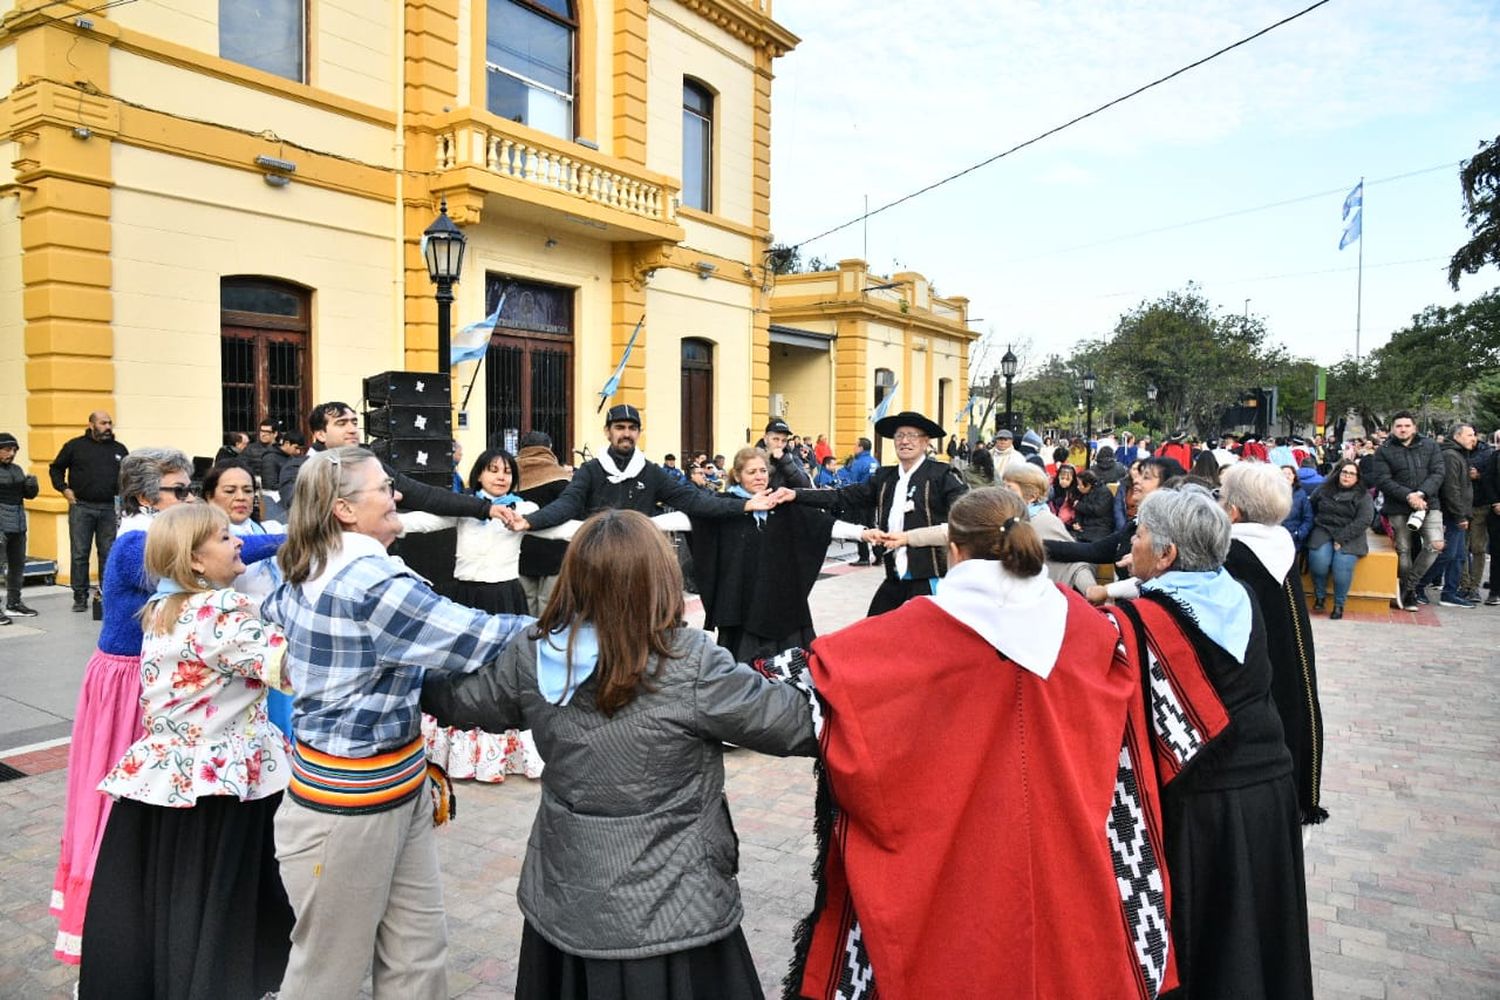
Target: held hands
1096, 594
767, 500
886, 539
513, 521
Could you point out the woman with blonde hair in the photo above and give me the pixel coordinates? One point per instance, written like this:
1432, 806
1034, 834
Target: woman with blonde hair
187, 899
107, 719
354, 834
755, 570
628, 887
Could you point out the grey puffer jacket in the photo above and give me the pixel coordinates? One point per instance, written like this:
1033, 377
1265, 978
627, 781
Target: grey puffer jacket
632, 853
1342, 516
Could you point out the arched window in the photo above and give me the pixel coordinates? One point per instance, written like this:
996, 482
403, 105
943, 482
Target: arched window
697, 396
697, 146
529, 63
264, 337
529, 370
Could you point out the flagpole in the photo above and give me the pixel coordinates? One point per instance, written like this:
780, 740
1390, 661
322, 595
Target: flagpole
1359, 286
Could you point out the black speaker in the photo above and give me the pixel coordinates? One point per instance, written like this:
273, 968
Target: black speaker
408, 389
416, 455
435, 422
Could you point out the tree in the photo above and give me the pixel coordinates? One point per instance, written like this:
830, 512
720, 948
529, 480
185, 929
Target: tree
1480, 179
784, 259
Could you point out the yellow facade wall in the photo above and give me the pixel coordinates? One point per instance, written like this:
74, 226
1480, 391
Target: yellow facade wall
519, 251
223, 223
801, 376
350, 42
680, 305
682, 45
12, 328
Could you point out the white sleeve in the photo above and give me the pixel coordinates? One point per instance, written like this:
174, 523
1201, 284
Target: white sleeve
417, 522
564, 531
1129, 587
848, 532
673, 521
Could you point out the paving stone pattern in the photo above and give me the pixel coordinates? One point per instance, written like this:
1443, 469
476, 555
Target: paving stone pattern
1403, 881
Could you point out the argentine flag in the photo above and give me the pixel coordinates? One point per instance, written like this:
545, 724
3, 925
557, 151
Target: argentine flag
885, 404
1353, 202
471, 341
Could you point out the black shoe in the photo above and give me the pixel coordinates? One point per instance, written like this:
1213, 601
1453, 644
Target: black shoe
1319, 604
80, 604
4, 620
20, 610
1492, 600
1336, 613
1409, 601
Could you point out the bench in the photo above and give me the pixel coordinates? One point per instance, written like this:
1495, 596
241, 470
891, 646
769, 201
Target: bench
1375, 578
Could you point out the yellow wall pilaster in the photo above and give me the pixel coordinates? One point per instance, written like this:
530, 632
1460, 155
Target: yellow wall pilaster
760, 222
63, 140
629, 46
627, 306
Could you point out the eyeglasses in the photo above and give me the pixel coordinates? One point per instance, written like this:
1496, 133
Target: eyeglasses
182, 492
388, 487
908, 436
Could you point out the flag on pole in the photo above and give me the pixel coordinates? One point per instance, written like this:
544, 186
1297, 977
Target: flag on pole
612, 384
1353, 203
471, 341
968, 409
885, 404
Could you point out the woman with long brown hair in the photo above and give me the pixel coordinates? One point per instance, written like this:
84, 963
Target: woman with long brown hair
628, 887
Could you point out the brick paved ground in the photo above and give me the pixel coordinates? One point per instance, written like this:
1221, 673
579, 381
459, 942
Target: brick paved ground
1403, 881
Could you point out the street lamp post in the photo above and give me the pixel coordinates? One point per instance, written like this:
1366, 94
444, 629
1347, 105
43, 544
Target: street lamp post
443, 247
1088, 427
1008, 367
1151, 392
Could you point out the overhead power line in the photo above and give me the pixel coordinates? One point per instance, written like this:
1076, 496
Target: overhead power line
1065, 125
1234, 213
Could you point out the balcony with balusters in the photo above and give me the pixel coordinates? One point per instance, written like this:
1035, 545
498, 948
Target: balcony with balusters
547, 179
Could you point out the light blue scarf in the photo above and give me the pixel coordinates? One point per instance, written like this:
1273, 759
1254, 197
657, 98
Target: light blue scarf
1033, 509
552, 662
1217, 602
740, 491
509, 500
166, 587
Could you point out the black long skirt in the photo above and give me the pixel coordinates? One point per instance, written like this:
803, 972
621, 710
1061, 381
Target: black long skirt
719, 970
504, 598
187, 904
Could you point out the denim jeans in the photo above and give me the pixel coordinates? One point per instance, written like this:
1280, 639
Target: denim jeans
1416, 551
89, 525
1323, 558
1451, 562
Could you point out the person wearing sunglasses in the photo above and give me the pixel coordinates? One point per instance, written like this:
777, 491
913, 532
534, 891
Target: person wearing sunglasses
108, 717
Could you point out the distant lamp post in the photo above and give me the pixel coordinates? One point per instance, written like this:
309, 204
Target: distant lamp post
1089, 382
1008, 368
1151, 391
443, 246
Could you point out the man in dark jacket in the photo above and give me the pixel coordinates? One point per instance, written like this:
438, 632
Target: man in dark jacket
1484, 525
542, 480
1407, 470
916, 492
1456, 499
334, 425
623, 479
783, 461
86, 472
16, 487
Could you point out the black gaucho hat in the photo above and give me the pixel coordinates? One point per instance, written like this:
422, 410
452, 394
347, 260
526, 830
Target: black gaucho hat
622, 413
8, 440
886, 426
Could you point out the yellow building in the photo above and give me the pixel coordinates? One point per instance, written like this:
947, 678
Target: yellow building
213, 210
844, 340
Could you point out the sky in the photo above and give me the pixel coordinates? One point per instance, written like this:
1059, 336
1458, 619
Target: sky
1053, 243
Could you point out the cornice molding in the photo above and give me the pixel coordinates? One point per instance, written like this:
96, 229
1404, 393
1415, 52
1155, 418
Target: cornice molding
746, 23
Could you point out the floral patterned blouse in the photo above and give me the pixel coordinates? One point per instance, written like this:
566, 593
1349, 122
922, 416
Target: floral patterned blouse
203, 696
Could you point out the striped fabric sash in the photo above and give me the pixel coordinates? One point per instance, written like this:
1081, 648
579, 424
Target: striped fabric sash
348, 785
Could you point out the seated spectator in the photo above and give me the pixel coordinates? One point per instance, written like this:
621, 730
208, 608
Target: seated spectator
1299, 521
1342, 512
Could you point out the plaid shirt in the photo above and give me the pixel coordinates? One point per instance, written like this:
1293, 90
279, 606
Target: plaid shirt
358, 644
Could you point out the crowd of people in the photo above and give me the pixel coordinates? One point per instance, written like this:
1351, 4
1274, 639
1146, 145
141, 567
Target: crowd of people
266, 737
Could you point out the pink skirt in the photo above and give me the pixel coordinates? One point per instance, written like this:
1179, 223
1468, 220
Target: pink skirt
482, 756
105, 724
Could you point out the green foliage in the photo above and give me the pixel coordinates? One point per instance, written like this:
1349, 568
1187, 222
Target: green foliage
1480, 179
783, 259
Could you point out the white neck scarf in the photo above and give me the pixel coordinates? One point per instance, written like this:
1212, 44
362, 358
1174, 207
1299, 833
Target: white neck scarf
615, 474
896, 518
1271, 543
1024, 618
